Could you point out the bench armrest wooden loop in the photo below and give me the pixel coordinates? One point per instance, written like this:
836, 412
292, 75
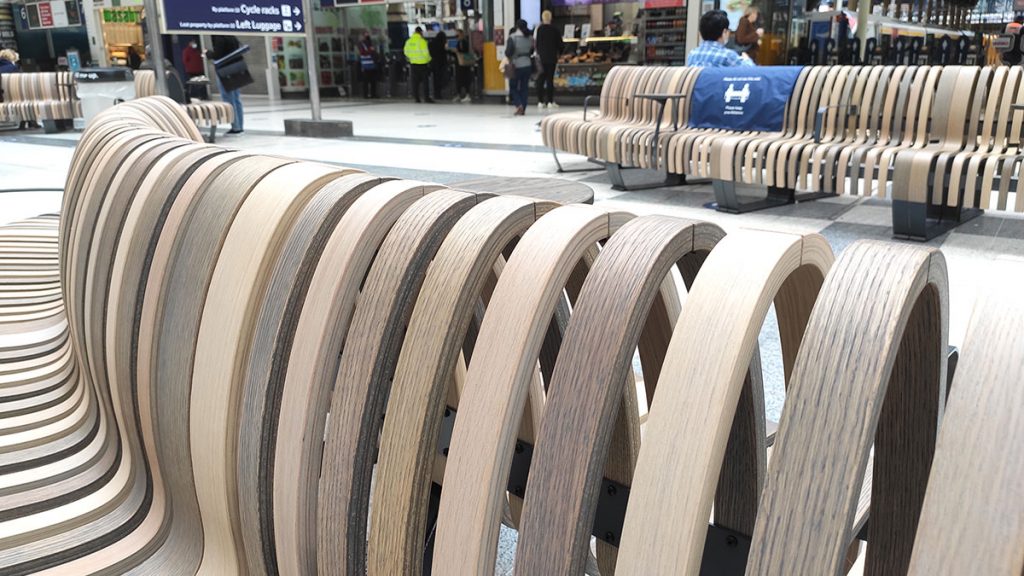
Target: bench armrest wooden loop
819, 116
871, 372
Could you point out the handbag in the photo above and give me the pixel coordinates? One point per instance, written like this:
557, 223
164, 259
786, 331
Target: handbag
232, 70
508, 69
465, 58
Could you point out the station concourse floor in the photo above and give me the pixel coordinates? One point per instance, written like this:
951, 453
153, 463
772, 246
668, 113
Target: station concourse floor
447, 143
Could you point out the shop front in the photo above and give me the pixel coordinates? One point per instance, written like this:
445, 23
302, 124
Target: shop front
48, 35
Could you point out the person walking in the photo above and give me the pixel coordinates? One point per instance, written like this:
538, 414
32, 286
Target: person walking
9, 65
748, 32
439, 62
711, 52
192, 59
549, 47
368, 66
222, 46
465, 59
519, 51
418, 55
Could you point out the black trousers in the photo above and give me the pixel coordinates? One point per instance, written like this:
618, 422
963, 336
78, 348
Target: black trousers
546, 83
370, 83
420, 73
440, 79
464, 81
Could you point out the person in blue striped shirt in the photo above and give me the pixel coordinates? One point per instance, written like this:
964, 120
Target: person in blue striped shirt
712, 53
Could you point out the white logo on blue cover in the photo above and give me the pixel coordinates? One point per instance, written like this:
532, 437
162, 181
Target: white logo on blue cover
733, 94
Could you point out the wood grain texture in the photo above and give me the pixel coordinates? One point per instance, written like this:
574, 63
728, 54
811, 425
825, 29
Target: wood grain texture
691, 418
972, 519
454, 283
272, 341
314, 360
367, 365
586, 387
872, 370
224, 362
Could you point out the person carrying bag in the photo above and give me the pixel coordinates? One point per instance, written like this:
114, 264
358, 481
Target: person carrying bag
232, 74
519, 52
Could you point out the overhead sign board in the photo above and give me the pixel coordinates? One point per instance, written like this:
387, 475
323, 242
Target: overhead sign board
273, 18
56, 14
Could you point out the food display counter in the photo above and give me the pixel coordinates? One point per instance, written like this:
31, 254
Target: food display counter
582, 69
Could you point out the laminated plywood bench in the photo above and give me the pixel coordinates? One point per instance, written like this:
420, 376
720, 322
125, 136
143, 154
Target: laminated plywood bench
609, 135
204, 114
938, 187
47, 97
230, 363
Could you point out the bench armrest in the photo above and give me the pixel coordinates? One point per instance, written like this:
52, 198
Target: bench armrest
663, 99
586, 104
819, 117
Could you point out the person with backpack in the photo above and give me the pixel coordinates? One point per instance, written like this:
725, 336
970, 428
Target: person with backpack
519, 51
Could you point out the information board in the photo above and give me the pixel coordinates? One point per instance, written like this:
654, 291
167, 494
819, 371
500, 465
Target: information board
55, 14
269, 17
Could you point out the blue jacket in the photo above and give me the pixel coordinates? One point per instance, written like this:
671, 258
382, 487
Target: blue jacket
7, 66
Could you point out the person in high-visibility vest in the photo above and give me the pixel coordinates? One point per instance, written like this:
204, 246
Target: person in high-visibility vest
418, 54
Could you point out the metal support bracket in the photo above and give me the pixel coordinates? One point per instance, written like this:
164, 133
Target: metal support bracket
728, 201
725, 552
618, 183
923, 221
598, 165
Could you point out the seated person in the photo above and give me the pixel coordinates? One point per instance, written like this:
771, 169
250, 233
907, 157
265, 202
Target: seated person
712, 53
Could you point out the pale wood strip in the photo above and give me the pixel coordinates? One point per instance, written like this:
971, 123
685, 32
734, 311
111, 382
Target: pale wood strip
691, 418
872, 369
313, 365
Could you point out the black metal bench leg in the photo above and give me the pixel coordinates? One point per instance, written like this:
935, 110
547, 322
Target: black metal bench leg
213, 133
923, 221
618, 183
561, 170
615, 175
728, 201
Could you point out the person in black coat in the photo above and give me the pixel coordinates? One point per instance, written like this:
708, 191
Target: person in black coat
438, 47
222, 46
549, 46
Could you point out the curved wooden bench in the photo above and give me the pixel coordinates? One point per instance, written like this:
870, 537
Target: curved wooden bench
198, 362
204, 114
39, 96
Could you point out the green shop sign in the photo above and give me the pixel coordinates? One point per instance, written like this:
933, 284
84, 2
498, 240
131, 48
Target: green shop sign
121, 15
